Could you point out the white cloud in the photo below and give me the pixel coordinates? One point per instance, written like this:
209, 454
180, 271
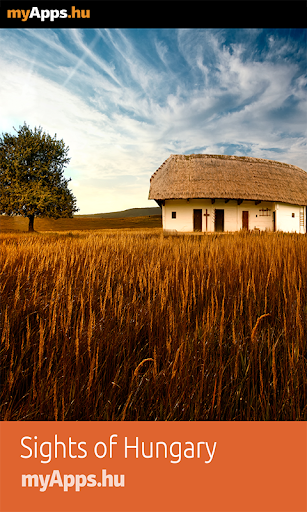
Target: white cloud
123, 115
99, 146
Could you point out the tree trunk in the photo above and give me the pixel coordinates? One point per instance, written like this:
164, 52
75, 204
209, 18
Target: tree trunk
31, 222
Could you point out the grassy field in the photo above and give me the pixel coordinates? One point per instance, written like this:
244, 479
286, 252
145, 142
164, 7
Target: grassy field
133, 325
80, 222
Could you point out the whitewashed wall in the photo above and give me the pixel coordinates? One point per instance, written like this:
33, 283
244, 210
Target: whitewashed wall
285, 220
232, 215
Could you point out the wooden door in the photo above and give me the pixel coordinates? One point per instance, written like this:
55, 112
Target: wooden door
197, 220
219, 220
274, 221
245, 220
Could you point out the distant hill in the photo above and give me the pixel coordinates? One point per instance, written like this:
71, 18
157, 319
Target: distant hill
132, 212
139, 218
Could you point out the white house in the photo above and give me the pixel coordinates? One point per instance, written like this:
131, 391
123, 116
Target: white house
215, 193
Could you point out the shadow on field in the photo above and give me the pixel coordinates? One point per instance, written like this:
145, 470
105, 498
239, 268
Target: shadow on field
17, 223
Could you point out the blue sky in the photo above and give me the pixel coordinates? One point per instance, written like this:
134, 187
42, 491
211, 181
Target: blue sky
123, 100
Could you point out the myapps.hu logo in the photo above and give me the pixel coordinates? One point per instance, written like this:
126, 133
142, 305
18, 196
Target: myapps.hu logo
50, 14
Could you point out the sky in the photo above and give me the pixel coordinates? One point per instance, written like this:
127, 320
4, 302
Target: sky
124, 100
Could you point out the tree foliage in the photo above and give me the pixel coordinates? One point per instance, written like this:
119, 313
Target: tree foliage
31, 175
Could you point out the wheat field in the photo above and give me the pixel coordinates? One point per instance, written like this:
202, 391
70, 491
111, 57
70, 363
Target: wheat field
137, 325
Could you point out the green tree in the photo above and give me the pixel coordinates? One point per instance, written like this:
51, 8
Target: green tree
31, 176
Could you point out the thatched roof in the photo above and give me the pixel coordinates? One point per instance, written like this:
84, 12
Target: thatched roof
228, 177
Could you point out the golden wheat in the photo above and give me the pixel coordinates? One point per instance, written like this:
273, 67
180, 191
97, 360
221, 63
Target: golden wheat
221, 319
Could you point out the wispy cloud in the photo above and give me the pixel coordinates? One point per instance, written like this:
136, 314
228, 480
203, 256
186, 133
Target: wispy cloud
88, 52
123, 100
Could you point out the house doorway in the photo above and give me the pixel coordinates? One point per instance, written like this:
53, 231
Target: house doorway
219, 221
197, 220
274, 221
245, 220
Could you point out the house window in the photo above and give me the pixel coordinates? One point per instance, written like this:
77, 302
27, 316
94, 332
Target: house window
293, 214
173, 215
265, 212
